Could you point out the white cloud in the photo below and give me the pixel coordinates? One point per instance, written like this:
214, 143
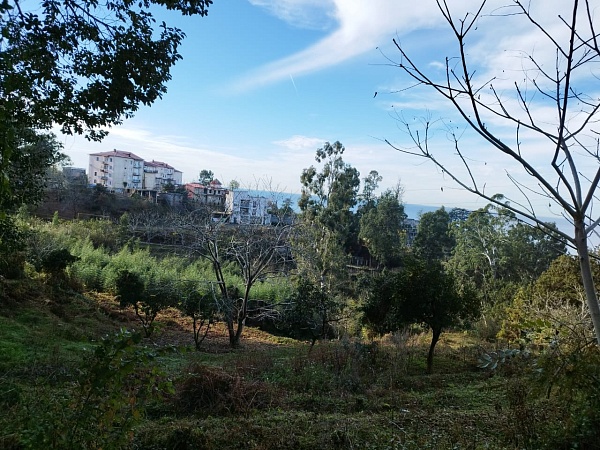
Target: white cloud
301, 143
311, 14
362, 26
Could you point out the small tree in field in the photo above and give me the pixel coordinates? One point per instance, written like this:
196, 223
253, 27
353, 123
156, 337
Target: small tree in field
422, 292
312, 312
147, 302
201, 307
551, 101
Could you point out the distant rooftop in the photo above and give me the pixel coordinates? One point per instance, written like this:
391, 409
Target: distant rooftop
118, 154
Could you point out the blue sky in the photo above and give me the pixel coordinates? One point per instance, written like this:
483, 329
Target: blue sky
264, 83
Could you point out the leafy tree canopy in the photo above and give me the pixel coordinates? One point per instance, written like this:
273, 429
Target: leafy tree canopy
382, 229
434, 240
492, 244
328, 196
370, 185
25, 172
206, 176
84, 64
422, 292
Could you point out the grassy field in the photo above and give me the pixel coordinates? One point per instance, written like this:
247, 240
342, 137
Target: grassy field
64, 384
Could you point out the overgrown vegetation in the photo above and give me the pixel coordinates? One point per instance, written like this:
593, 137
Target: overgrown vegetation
316, 333
74, 377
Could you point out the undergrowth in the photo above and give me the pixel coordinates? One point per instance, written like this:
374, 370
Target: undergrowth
70, 379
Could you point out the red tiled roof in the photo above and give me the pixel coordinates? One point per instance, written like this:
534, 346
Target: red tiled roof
118, 154
158, 164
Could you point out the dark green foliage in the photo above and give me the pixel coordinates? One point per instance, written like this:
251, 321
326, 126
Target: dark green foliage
23, 170
205, 177
421, 292
85, 65
312, 312
434, 240
382, 229
572, 377
56, 261
12, 256
147, 300
26, 166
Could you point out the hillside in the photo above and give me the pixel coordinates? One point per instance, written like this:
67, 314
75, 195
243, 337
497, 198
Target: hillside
59, 391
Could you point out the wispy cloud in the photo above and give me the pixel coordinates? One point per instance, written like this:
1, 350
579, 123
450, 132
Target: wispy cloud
300, 143
310, 14
361, 26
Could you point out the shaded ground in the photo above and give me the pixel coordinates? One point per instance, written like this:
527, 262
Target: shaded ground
271, 393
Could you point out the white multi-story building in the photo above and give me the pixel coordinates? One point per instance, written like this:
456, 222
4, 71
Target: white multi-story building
158, 174
116, 170
244, 207
119, 170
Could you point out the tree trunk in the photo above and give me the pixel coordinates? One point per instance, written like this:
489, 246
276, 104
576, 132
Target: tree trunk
242, 316
434, 340
586, 276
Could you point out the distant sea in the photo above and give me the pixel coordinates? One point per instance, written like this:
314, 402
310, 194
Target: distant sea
413, 211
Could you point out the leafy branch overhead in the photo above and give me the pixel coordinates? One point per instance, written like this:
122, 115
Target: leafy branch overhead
83, 64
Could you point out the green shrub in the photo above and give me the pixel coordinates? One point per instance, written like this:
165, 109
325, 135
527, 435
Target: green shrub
101, 408
56, 261
201, 307
147, 300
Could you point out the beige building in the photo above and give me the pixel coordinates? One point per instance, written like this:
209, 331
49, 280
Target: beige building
116, 170
119, 170
158, 174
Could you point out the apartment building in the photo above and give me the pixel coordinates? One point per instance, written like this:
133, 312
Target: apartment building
116, 170
246, 207
158, 174
212, 194
119, 171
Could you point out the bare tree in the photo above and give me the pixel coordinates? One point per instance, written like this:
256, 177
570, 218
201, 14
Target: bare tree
261, 252
258, 251
546, 102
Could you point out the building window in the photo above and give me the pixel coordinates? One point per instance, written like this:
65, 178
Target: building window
110, 159
95, 174
97, 159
